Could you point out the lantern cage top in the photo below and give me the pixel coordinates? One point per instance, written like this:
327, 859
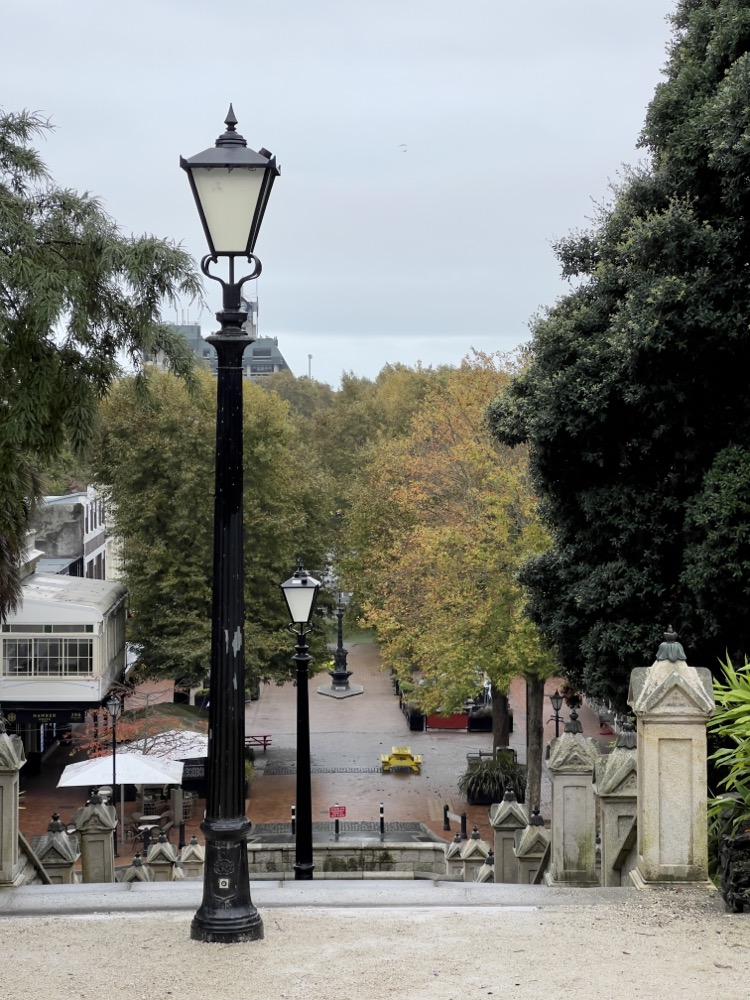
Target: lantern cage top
231, 184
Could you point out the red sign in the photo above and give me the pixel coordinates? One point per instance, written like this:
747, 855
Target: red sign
336, 812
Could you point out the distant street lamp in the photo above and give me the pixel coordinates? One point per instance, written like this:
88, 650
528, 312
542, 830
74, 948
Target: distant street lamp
300, 592
340, 675
113, 704
231, 185
556, 699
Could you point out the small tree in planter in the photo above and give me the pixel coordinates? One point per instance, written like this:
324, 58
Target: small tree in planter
489, 780
729, 813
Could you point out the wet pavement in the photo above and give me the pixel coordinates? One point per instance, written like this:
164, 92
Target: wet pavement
347, 738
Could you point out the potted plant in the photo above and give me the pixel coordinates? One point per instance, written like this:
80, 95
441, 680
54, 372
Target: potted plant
487, 781
729, 813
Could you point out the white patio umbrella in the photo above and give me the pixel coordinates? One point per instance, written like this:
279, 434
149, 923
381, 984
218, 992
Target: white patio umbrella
175, 744
132, 769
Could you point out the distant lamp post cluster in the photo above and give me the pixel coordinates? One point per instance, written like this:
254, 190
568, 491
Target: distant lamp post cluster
231, 184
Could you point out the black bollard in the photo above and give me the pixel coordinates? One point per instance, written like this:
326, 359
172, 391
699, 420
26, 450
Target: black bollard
446, 821
463, 827
382, 820
294, 820
181, 843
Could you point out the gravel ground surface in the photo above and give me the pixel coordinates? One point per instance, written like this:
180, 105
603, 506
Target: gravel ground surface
658, 944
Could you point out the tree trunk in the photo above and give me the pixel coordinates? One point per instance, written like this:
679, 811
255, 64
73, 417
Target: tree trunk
500, 721
535, 731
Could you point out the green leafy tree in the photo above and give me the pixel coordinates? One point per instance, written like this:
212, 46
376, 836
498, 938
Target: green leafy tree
76, 296
156, 458
634, 405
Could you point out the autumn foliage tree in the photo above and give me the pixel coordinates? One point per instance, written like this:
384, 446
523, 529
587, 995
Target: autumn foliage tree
440, 521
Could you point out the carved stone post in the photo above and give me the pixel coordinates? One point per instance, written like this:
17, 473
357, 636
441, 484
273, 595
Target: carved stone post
532, 844
95, 823
506, 817
58, 852
161, 859
615, 784
474, 854
453, 864
138, 872
12, 759
672, 702
487, 872
192, 859
571, 763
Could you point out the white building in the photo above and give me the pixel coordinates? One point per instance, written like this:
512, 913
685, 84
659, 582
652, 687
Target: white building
59, 653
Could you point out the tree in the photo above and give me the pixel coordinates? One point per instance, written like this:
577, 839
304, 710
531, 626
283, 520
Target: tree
155, 457
634, 406
75, 295
437, 529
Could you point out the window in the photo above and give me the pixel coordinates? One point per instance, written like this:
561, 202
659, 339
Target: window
47, 657
261, 352
261, 368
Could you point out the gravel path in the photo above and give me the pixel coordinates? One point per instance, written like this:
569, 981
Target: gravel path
664, 945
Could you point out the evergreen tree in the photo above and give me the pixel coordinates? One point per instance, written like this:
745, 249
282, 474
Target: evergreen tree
634, 403
76, 295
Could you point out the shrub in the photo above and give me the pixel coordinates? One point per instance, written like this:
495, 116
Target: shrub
489, 780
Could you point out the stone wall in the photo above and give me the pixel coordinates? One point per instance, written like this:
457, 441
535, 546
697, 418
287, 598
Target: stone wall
352, 858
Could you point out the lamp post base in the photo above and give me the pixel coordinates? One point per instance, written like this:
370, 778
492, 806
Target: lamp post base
227, 914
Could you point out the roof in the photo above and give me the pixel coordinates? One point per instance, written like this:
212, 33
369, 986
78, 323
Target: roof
50, 599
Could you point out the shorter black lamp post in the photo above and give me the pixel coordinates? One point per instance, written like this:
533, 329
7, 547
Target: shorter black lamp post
113, 704
300, 592
340, 675
556, 700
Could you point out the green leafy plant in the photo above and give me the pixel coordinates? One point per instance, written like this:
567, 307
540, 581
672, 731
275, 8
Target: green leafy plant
489, 780
730, 811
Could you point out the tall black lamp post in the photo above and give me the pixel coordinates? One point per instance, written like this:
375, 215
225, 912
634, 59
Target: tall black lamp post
556, 699
113, 704
231, 185
300, 592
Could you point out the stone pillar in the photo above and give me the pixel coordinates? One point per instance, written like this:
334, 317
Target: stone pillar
58, 852
531, 847
571, 764
12, 759
138, 872
95, 823
192, 858
672, 702
506, 817
453, 864
161, 859
615, 785
474, 854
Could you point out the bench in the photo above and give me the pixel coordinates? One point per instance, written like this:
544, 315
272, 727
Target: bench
259, 741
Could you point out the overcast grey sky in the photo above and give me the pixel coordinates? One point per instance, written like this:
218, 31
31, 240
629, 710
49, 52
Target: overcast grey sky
430, 150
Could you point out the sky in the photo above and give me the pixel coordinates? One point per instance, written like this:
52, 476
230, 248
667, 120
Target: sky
431, 151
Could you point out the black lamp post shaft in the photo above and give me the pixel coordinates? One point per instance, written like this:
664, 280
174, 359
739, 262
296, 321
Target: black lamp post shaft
303, 863
227, 913
114, 777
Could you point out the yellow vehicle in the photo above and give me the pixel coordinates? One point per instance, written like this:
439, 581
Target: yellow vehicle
401, 757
